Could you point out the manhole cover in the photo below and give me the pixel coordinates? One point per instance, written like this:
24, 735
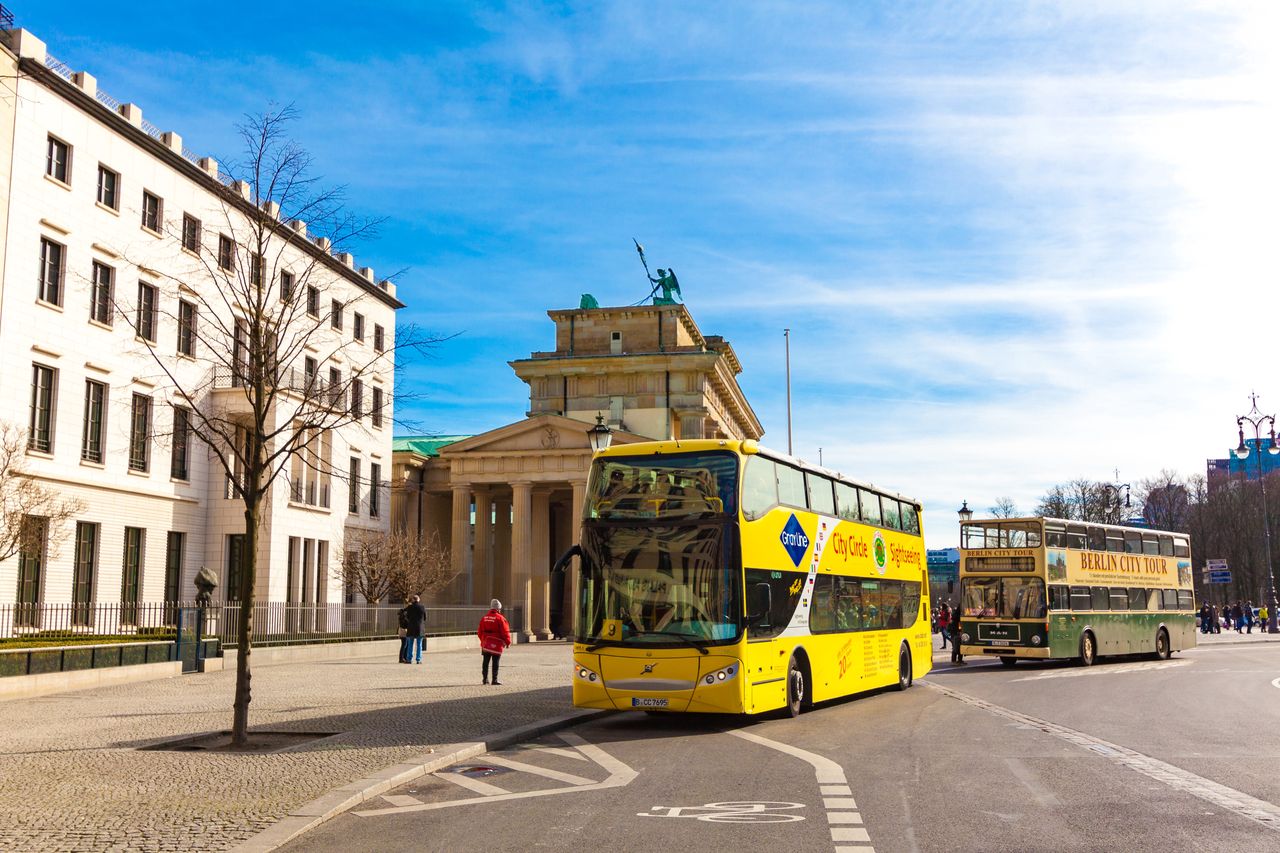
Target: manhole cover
479, 771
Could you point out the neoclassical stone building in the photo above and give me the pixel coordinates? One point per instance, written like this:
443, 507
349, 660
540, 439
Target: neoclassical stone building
507, 501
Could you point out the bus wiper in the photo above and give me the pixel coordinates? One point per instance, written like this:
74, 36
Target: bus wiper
689, 639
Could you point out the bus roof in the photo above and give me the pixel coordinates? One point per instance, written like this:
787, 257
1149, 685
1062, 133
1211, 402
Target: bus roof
1065, 521
746, 447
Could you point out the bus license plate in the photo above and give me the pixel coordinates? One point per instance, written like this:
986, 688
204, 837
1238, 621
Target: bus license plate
648, 703
998, 642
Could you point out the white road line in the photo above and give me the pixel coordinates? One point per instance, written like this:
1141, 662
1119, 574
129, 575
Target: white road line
619, 775
567, 778
837, 799
563, 753
1106, 669
476, 786
1175, 777
1028, 777
1276, 683
401, 799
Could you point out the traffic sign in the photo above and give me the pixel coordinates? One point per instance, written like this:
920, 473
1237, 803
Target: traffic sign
1215, 565
1218, 577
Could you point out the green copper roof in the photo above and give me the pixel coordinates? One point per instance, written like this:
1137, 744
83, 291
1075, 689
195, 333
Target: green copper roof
424, 445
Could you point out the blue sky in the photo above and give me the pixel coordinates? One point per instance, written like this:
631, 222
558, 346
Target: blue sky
1017, 242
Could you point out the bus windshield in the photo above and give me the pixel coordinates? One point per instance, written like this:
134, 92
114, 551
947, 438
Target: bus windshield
1003, 598
1000, 534
680, 485
658, 584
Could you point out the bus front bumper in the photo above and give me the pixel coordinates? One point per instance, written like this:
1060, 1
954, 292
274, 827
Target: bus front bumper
1040, 653
626, 682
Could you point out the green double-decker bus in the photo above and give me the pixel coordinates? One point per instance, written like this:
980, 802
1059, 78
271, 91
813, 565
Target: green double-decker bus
1045, 588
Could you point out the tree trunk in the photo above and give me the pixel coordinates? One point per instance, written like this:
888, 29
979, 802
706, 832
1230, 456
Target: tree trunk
248, 578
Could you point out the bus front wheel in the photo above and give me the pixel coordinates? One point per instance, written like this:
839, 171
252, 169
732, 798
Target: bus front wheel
1163, 650
904, 667
1088, 649
797, 688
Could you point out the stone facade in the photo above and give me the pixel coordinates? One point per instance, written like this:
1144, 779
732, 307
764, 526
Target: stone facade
62, 133
508, 501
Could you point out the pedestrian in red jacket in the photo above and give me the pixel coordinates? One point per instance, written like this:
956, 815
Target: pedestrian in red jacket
495, 635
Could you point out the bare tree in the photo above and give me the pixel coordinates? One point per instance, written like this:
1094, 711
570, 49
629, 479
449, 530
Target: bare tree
1004, 507
397, 564
28, 510
1055, 504
1165, 501
259, 304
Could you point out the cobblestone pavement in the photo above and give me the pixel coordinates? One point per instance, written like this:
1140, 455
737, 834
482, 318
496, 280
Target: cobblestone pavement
72, 778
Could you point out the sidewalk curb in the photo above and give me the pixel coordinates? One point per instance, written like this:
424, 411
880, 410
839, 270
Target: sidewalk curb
310, 815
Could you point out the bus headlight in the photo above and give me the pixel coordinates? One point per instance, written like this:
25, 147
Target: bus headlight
1035, 639
721, 675
964, 637
585, 674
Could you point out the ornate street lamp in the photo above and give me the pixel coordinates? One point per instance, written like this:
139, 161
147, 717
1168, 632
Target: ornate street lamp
1116, 489
1256, 419
964, 512
600, 435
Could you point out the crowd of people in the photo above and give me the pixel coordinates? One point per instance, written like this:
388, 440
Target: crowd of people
494, 633
946, 621
1241, 616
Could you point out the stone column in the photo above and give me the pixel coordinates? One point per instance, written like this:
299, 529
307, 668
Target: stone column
573, 583
460, 540
502, 550
539, 564
522, 552
481, 571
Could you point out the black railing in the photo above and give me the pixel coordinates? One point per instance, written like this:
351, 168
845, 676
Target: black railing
275, 623
6, 19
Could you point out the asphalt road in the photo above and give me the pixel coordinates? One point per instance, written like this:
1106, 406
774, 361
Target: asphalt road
1129, 755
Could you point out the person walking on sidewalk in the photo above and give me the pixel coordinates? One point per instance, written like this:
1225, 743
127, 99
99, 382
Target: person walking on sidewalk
957, 657
495, 636
416, 619
944, 622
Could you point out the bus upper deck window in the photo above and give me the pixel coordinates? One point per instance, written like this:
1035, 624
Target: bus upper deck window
889, 513
870, 504
1166, 545
1151, 544
1180, 547
791, 487
759, 487
1076, 536
910, 517
1055, 536
847, 501
821, 497
1097, 539
1132, 542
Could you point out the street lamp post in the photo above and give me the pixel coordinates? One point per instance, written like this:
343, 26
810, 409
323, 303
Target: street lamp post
1256, 419
1115, 489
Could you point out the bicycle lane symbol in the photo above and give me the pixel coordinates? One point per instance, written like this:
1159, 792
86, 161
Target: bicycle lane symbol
731, 812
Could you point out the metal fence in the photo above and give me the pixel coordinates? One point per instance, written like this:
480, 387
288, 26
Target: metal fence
275, 623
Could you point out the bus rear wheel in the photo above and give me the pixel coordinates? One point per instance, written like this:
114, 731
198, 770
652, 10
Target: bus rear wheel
1088, 649
1008, 660
797, 687
1163, 649
904, 667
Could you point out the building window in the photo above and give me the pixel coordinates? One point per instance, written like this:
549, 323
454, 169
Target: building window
257, 269
335, 386
309, 370
357, 326
95, 411
375, 486
181, 443
286, 286
377, 407
186, 327
311, 468
357, 399
108, 187
335, 314
102, 293
353, 492
32, 546
131, 574
379, 339
313, 301
58, 162
152, 211
85, 570
43, 388
235, 565
174, 556
52, 267
146, 322
226, 252
190, 233
140, 434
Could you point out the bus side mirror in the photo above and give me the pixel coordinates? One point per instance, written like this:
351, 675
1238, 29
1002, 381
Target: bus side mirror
563, 562
761, 604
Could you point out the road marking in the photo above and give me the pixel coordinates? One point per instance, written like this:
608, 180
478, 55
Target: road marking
1111, 669
563, 753
837, 798
1276, 683
1175, 777
734, 812
473, 785
401, 799
568, 778
619, 775
1031, 780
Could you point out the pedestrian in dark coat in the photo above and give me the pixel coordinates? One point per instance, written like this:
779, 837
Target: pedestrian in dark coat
495, 636
957, 657
416, 616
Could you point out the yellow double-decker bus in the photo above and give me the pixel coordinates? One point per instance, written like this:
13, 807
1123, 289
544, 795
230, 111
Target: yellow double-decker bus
717, 576
1044, 588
